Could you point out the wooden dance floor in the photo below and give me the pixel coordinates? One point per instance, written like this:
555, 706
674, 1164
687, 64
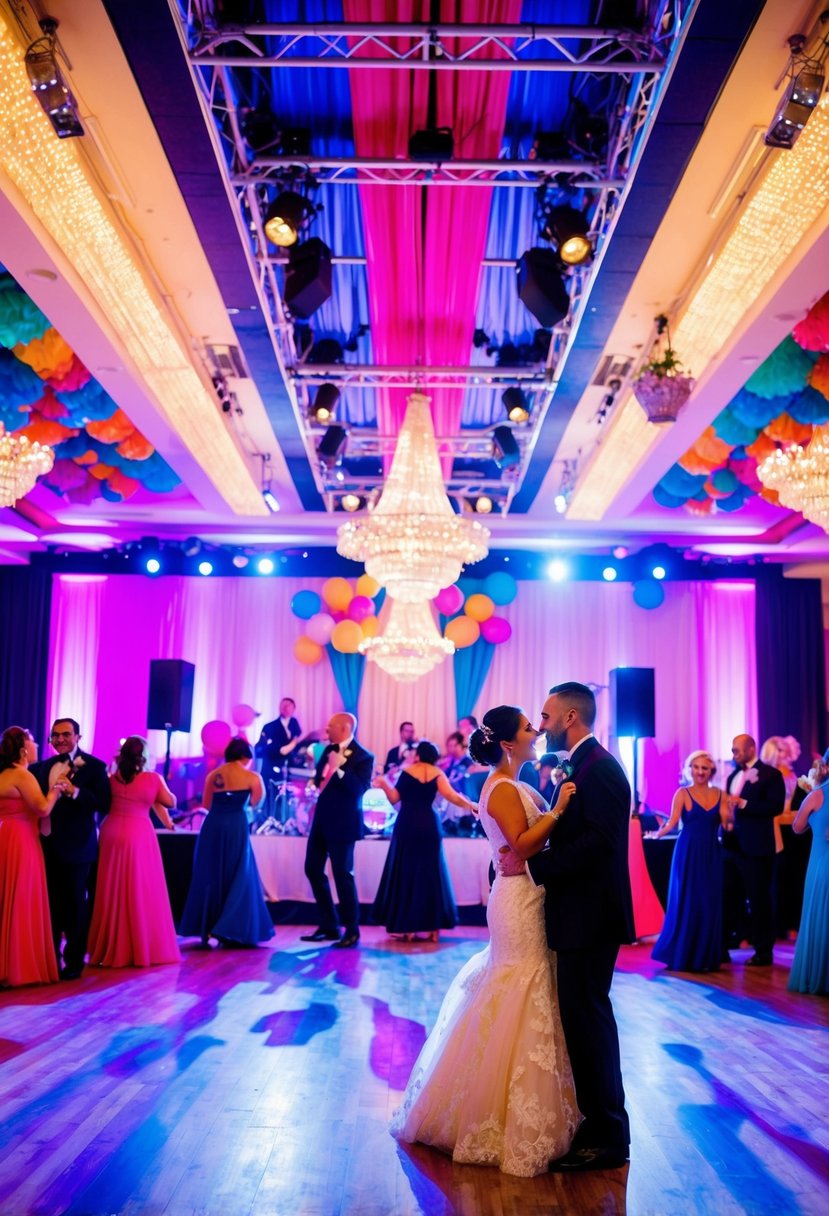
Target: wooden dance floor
260, 1081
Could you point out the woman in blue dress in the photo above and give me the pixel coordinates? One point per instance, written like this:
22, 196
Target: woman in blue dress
810, 969
225, 899
691, 937
415, 893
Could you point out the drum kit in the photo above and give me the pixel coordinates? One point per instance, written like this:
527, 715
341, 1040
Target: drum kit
290, 797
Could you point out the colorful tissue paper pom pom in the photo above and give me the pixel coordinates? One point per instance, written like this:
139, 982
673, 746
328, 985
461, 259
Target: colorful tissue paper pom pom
19, 385
50, 356
44, 430
135, 447
812, 333
762, 447
733, 430
20, 318
756, 411
74, 378
112, 429
785, 430
65, 475
784, 372
809, 406
123, 485
819, 375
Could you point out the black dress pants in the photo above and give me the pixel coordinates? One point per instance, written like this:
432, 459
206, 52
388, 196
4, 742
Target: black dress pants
68, 886
753, 876
341, 853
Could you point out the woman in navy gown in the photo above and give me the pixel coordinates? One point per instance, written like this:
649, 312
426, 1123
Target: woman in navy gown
225, 899
691, 937
810, 969
415, 893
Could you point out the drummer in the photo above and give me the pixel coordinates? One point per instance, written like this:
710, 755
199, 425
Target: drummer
279, 738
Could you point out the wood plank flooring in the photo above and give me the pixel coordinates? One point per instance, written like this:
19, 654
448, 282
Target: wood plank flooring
259, 1083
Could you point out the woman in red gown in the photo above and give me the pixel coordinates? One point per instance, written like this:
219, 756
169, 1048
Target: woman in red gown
27, 953
132, 925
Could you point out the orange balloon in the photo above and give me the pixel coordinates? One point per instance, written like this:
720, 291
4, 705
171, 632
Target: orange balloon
346, 636
366, 585
337, 594
370, 626
463, 631
307, 652
479, 607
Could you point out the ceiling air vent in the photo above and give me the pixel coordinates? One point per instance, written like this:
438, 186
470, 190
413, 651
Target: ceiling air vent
612, 367
228, 361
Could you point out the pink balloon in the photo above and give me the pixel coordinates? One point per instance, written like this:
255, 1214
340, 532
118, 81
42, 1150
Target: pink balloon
318, 628
360, 607
496, 630
215, 737
449, 600
243, 715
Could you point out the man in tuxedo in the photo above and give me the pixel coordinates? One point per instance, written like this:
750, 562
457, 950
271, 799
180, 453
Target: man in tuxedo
343, 775
589, 914
404, 751
277, 744
71, 848
756, 794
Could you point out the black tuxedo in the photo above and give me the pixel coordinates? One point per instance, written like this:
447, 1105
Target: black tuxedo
402, 754
589, 913
749, 857
337, 824
71, 850
274, 736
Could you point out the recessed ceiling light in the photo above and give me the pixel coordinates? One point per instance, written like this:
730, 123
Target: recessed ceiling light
42, 275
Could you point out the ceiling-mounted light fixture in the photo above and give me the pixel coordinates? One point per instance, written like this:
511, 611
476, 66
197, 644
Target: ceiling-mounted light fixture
515, 403
483, 505
541, 288
285, 217
352, 502
325, 402
806, 78
566, 229
270, 499
331, 447
505, 450
48, 84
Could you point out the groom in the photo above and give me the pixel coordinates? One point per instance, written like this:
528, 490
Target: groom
589, 913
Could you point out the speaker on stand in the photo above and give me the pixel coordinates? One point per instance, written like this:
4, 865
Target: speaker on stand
633, 712
170, 704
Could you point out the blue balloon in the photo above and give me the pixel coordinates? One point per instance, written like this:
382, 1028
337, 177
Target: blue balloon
500, 587
305, 604
648, 593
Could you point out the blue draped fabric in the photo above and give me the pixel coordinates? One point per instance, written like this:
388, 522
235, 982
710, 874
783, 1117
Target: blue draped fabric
348, 670
472, 665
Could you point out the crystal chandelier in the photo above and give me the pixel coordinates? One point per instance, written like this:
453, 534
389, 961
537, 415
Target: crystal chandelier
412, 542
411, 645
801, 477
21, 463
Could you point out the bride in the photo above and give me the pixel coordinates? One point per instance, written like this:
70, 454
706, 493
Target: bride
492, 1085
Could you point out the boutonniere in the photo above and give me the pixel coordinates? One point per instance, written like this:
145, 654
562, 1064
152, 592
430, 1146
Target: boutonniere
751, 775
805, 783
346, 754
566, 768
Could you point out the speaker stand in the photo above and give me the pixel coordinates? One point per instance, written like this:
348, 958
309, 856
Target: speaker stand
168, 728
635, 776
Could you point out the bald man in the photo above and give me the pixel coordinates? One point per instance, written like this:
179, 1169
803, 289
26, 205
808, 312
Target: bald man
343, 775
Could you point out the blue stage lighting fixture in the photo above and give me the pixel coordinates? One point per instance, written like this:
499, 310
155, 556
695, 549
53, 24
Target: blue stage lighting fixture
558, 570
152, 565
265, 565
658, 572
205, 568
609, 574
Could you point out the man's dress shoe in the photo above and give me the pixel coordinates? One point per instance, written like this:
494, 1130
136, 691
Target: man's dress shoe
350, 939
319, 935
590, 1159
70, 973
760, 959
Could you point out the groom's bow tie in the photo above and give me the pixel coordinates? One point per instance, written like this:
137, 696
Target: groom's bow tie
333, 747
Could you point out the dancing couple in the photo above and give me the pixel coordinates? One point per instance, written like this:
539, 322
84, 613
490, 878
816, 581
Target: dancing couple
522, 1067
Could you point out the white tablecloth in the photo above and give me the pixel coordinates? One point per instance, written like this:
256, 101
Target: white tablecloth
281, 862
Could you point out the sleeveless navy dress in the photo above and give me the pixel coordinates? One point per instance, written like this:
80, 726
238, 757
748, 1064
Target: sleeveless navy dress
415, 893
225, 898
691, 937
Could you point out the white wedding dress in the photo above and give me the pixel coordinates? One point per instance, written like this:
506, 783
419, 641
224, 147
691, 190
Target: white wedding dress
492, 1085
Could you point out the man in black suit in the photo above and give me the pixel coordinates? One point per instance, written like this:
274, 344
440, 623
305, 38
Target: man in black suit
403, 753
589, 914
71, 848
276, 747
343, 775
756, 794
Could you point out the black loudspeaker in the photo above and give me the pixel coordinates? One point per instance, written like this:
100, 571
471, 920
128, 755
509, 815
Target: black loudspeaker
505, 447
541, 288
632, 703
171, 694
332, 445
308, 277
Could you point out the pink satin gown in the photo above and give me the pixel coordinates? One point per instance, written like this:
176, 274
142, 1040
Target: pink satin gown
132, 925
27, 952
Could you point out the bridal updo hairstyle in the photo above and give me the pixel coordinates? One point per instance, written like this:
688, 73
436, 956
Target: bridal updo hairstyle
12, 746
426, 752
132, 758
239, 748
499, 726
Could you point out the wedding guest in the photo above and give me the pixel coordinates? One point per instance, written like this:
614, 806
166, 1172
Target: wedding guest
279, 739
457, 761
132, 925
466, 726
415, 893
810, 968
403, 751
27, 955
781, 753
343, 775
225, 899
71, 848
691, 937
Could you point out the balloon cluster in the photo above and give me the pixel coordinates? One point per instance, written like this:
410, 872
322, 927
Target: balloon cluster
48, 395
781, 404
470, 606
340, 616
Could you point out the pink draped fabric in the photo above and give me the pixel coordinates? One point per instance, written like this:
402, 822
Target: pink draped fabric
424, 246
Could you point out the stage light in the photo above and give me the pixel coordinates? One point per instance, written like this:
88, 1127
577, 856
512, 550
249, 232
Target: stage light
191, 546
620, 552
515, 403
351, 502
505, 451
483, 504
796, 106
541, 289
560, 502
434, 145
325, 402
308, 282
265, 565
285, 217
332, 446
558, 570
240, 560
566, 229
48, 84
152, 565
658, 572
205, 568
271, 500
609, 574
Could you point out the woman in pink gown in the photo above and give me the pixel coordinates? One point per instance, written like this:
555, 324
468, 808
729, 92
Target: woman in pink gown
27, 952
132, 925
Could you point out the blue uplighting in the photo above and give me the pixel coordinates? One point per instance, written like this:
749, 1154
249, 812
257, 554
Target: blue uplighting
205, 568
152, 565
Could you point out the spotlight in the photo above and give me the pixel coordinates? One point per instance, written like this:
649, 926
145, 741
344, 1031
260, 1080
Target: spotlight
271, 501
796, 104
435, 144
325, 402
558, 570
658, 572
152, 565
285, 217
609, 574
515, 403
265, 565
541, 288
483, 504
351, 502
205, 568
560, 502
331, 447
259, 128
240, 560
566, 230
48, 84
505, 449
620, 552
191, 546
308, 278
325, 351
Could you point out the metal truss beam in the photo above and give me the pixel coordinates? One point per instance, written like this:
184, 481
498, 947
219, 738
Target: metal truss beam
368, 171
366, 375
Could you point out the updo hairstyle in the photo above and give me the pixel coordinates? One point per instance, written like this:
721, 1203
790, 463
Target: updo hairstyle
426, 752
12, 746
499, 725
239, 749
700, 754
132, 758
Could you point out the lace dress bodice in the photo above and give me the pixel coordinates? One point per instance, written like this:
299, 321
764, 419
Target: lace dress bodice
494, 835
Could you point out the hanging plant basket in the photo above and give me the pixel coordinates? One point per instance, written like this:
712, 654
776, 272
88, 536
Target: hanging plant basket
662, 397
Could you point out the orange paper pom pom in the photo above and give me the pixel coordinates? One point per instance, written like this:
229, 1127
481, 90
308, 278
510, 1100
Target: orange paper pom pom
819, 375
111, 430
102, 471
49, 356
44, 430
123, 485
135, 447
706, 507
762, 447
786, 430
